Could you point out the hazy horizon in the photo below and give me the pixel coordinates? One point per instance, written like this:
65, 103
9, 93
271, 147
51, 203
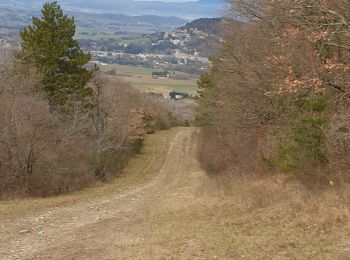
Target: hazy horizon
187, 9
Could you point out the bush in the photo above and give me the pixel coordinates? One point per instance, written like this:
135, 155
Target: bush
44, 152
306, 144
277, 95
136, 145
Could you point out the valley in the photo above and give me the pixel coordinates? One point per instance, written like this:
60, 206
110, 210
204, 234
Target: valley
133, 47
141, 129
189, 9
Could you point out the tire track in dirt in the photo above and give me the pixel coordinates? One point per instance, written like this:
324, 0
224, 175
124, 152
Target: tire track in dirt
84, 229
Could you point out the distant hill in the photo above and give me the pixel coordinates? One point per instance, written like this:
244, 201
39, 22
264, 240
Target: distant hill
212, 26
84, 19
188, 10
12, 18
200, 36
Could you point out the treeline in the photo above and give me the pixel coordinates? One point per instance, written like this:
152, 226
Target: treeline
277, 98
44, 152
208, 25
64, 127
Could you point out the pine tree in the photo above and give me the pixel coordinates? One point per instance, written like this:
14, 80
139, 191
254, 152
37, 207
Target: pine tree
48, 44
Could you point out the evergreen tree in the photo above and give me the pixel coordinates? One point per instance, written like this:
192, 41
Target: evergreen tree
49, 45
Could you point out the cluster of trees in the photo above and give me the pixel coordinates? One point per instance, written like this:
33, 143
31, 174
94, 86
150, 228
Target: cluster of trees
277, 97
64, 127
163, 73
207, 25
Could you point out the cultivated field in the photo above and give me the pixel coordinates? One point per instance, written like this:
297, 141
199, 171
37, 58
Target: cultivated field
132, 32
142, 79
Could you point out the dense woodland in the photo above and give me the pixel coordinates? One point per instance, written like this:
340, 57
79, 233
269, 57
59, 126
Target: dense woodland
276, 101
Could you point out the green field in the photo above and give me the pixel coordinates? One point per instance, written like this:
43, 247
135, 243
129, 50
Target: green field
163, 85
129, 70
131, 32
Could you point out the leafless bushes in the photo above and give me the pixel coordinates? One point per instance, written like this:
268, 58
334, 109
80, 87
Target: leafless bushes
338, 147
276, 99
44, 152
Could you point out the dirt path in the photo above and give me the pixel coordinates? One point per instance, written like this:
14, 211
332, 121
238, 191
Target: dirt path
96, 228
166, 208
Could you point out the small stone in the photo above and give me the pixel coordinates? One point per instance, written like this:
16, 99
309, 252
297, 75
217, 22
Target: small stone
25, 231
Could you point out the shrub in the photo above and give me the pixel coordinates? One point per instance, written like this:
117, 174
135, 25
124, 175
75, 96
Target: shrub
280, 88
44, 152
136, 145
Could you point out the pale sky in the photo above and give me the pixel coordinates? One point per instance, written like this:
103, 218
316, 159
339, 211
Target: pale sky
180, 1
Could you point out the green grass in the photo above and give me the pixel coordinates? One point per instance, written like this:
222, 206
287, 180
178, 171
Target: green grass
95, 34
131, 70
171, 85
98, 33
137, 40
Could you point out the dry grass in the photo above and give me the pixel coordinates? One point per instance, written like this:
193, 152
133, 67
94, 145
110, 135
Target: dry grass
225, 218
148, 84
196, 217
268, 220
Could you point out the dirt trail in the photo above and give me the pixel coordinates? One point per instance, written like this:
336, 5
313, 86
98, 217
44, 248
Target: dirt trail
109, 226
165, 207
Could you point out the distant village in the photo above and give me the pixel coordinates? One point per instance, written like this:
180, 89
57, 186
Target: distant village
173, 50
152, 59
185, 49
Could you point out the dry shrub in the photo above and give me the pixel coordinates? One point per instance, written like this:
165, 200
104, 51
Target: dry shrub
44, 152
157, 112
274, 105
218, 155
34, 139
338, 147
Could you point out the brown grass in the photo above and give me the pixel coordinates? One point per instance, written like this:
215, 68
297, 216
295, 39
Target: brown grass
265, 219
148, 84
197, 217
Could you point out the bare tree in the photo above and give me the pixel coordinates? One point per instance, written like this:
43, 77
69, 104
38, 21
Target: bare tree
257, 95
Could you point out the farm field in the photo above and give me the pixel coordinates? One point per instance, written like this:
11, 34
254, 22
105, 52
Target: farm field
96, 33
164, 86
141, 78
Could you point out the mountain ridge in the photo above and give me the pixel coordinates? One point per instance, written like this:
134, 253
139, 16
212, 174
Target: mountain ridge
188, 10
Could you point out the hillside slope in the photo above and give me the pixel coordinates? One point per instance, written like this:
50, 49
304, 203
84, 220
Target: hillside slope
167, 209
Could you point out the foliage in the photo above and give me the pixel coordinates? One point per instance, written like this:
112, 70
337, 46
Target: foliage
49, 45
317, 103
307, 143
280, 88
309, 138
45, 154
136, 145
205, 85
